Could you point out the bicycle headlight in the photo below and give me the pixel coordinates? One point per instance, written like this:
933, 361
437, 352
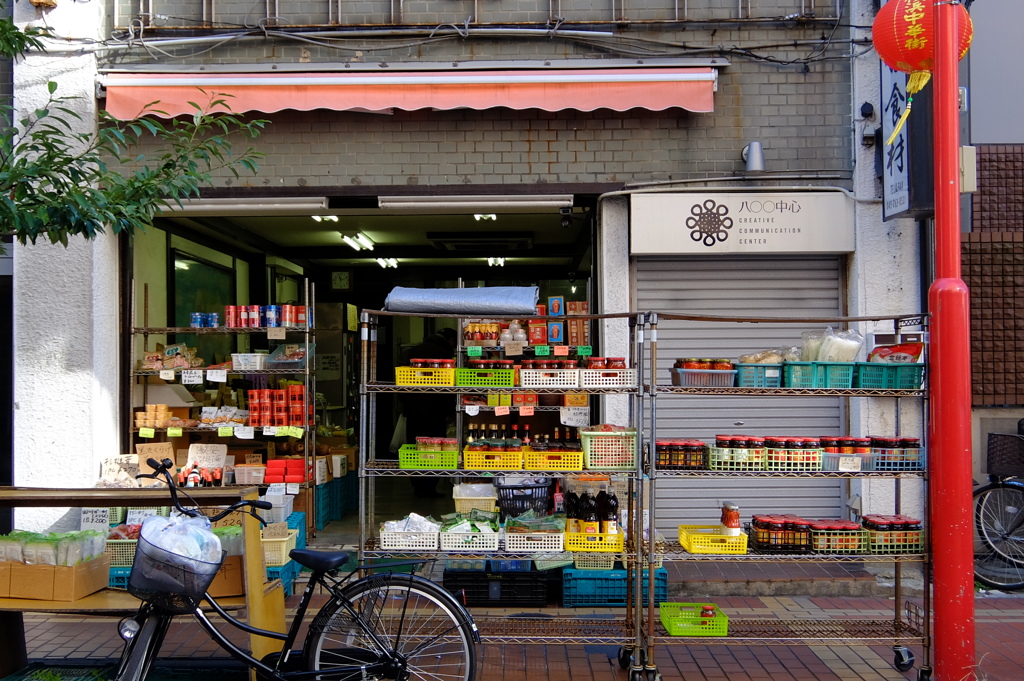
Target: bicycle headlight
128, 628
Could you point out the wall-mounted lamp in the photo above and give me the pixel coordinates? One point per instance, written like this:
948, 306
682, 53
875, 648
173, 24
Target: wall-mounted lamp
753, 154
484, 216
358, 241
387, 262
325, 218
496, 262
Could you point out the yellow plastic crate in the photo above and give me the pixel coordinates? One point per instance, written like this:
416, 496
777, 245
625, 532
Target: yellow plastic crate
275, 551
709, 539
121, 552
595, 543
552, 461
410, 376
492, 461
468, 504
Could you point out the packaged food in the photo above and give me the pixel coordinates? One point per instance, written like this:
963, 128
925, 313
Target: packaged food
902, 353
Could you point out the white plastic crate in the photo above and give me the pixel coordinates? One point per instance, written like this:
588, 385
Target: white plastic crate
607, 378
409, 541
283, 507
477, 542
535, 542
248, 361
549, 378
249, 474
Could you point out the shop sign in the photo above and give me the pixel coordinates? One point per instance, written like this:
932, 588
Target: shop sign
719, 223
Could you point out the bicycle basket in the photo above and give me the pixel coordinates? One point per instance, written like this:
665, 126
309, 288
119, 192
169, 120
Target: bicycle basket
1005, 454
171, 582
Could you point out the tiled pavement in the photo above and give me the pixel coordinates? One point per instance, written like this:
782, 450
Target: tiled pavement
57, 639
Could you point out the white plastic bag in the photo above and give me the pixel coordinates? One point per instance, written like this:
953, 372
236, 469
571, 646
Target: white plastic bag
188, 538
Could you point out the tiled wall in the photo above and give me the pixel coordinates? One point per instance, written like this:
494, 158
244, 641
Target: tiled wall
998, 205
993, 269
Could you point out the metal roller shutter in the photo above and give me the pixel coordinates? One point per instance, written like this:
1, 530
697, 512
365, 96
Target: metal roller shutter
776, 286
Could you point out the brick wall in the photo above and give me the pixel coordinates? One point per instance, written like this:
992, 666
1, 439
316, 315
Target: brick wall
998, 205
993, 269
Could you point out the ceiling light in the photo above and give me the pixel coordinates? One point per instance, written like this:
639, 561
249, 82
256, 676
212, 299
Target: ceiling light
325, 218
351, 242
496, 262
484, 216
387, 262
473, 204
281, 205
364, 241
180, 265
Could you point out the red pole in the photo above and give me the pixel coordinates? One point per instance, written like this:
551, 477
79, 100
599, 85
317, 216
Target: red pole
950, 423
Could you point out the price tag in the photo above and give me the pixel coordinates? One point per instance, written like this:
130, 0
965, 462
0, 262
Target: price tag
276, 333
153, 450
849, 463
111, 466
147, 432
276, 531
561, 351
135, 516
217, 375
207, 455
297, 432
526, 411
167, 374
96, 519
293, 488
542, 350
191, 377
584, 351
472, 409
276, 489
225, 431
474, 351
244, 432
270, 431
253, 457
174, 432
575, 416
513, 348
501, 411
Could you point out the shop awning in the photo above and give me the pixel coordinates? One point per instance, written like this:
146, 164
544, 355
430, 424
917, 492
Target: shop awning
620, 89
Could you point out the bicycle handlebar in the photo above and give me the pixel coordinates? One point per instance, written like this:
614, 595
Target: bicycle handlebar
161, 469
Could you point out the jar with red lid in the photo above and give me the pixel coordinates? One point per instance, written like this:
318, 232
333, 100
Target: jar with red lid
847, 445
418, 363
723, 441
597, 363
528, 363
663, 453
569, 363
707, 613
830, 445
616, 362
755, 442
862, 446
739, 442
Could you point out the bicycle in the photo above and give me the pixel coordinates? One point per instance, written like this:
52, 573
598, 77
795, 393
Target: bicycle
999, 516
381, 626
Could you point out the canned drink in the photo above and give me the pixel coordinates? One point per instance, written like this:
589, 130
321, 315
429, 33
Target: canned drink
198, 319
213, 319
273, 314
287, 315
254, 316
231, 318
300, 315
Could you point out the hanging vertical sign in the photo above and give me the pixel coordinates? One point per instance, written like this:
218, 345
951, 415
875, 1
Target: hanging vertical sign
895, 156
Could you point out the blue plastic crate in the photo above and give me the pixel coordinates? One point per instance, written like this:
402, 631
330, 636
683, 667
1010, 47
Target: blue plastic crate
510, 565
286, 573
337, 508
297, 521
349, 492
323, 505
119, 577
606, 587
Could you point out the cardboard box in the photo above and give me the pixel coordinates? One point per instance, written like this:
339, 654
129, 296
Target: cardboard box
333, 441
5, 579
556, 305
499, 400
322, 470
575, 400
339, 465
230, 579
58, 583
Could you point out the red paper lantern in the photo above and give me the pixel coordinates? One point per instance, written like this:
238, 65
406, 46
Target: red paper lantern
904, 37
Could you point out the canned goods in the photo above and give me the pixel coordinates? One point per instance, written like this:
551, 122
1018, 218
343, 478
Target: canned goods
198, 319
255, 316
231, 317
213, 319
273, 315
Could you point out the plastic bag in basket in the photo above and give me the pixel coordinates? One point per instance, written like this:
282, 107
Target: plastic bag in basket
188, 538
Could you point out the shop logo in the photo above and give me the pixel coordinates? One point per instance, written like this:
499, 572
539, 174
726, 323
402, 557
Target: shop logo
709, 222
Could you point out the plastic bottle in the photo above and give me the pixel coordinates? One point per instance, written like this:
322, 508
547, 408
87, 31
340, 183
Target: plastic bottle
590, 523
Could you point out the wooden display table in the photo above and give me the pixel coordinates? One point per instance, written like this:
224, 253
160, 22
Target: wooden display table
264, 603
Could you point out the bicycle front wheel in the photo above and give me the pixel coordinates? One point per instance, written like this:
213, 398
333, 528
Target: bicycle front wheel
397, 627
999, 536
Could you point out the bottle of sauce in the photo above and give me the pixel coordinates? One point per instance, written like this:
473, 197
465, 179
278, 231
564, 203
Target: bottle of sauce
590, 524
730, 519
610, 523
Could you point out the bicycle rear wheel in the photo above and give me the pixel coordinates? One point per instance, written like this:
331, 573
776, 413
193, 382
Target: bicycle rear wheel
999, 536
405, 627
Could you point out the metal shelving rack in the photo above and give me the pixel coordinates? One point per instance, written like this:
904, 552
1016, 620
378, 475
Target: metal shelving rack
142, 334
912, 626
528, 628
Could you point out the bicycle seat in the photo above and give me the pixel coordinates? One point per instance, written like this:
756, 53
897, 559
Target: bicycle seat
320, 561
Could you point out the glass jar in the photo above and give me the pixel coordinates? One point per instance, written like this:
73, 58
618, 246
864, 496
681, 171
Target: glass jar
705, 364
569, 363
616, 362
418, 363
597, 363
722, 365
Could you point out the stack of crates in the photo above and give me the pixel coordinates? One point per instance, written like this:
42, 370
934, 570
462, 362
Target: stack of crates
297, 521
286, 573
606, 587
483, 588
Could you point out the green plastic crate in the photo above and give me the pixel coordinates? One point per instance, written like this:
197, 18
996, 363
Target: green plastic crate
838, 375
494, 378
759, 375
411, 458
683, 619
878, 376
